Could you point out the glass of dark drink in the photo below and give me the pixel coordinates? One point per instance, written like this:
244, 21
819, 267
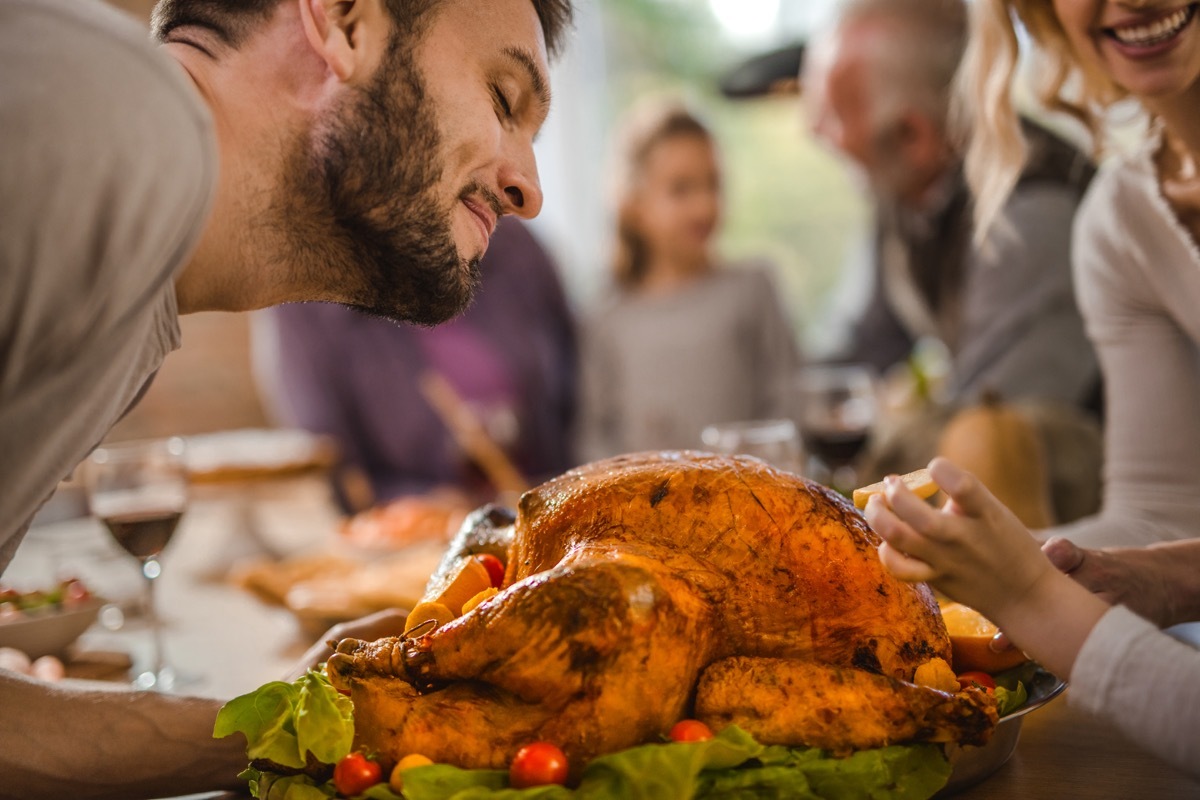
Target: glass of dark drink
838, 410
139, 491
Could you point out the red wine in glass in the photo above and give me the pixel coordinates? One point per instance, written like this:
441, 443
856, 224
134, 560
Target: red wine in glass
837, 412
836, 448
139, 491
143, 533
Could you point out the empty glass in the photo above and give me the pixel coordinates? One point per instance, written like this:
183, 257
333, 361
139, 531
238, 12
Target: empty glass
775, 441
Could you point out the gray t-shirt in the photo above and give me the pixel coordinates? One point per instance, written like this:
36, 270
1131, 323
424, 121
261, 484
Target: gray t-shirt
657, 368
107, 175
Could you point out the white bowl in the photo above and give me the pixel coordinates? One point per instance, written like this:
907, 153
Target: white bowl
49, 633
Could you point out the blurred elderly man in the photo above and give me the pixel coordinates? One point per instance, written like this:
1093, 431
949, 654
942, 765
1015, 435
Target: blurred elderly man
877, 84
877, 87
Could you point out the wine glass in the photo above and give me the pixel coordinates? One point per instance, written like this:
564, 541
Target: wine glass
139, 491
838, 409
775, 441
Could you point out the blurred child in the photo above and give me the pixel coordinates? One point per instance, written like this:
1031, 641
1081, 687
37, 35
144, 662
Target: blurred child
685, 340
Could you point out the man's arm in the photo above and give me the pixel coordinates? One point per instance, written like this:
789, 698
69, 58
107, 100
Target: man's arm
86, 743
1022, 334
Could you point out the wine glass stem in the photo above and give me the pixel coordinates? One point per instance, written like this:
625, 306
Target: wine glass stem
150, 571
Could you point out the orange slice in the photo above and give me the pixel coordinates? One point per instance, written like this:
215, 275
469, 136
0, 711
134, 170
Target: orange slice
429, 616
970, 637
919, 483
460, 585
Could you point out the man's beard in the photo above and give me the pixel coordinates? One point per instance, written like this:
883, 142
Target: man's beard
359, 208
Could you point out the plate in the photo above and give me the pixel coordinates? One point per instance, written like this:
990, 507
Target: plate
256, 453
977, 763
49, 634
322, 589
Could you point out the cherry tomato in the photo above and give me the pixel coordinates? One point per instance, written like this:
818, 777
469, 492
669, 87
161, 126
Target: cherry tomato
537, 764
494, 567
75, 593
980, 679
356, 773
690, 730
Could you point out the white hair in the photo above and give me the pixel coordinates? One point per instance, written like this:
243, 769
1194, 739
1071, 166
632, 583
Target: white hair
913, 67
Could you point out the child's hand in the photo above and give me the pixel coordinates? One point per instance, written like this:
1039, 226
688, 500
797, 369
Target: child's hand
974, 550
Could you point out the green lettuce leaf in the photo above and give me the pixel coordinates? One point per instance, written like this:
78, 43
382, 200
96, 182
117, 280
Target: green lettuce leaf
439, 781
266, 786
381, 791
908, 772
732, 765
324, 719
266, 717
1009, 700
283, 722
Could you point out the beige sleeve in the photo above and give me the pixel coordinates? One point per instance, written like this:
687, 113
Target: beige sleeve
1151, 371
1144, 683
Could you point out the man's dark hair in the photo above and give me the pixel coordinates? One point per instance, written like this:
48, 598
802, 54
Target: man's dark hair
234, 20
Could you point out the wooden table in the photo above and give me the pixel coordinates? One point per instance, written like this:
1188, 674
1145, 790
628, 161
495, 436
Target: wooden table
223, 637
234, 643
1064, 754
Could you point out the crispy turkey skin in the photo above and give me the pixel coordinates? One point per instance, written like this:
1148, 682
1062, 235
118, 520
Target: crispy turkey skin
626, 579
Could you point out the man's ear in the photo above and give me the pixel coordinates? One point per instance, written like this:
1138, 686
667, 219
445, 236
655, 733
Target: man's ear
348, 35
923, 140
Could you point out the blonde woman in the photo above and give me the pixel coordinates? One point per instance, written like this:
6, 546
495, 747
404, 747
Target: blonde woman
684, 340
1136, 258
1138, 273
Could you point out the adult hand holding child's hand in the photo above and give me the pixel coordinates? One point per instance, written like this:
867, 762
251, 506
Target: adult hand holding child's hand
1150, 581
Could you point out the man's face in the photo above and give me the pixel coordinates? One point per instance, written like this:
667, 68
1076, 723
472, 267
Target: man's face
402, 185
844, 113
488, 80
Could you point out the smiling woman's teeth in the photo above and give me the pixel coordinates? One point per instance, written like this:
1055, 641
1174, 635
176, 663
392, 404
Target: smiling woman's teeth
1155, 32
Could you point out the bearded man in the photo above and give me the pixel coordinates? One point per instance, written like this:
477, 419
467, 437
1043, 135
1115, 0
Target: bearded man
267, 151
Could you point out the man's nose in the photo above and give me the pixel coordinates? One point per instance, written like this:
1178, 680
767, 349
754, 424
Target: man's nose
521, 185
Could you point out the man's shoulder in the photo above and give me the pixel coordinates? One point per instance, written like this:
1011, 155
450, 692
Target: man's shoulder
87, 59
67, 15
108, 171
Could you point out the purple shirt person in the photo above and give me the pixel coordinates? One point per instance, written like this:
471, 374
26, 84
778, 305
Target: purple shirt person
511, 357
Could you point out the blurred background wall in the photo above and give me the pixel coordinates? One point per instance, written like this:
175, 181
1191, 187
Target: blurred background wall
788, 200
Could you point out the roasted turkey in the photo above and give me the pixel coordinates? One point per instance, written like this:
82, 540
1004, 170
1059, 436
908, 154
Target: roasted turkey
648, 588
